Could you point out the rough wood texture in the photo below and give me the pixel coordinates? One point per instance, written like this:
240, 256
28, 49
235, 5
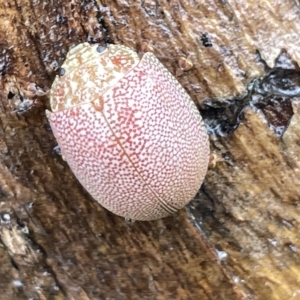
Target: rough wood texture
240, 238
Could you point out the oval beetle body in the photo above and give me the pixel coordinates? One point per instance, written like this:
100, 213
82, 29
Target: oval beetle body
128, 130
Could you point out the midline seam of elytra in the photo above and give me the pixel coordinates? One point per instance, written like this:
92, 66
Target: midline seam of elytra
167, 207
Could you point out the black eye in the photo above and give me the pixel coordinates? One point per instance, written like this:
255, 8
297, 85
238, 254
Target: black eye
101, 48
61, 72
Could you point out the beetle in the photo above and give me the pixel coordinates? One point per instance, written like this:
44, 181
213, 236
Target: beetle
128, 130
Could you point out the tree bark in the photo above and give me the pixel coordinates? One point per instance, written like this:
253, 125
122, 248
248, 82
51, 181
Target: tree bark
239, 238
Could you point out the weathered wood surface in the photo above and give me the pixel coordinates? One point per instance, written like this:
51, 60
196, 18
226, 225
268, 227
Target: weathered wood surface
239, 240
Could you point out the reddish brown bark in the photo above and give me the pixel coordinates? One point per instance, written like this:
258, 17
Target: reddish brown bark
239, 239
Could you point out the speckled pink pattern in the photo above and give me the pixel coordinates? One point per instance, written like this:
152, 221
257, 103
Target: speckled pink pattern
140, 149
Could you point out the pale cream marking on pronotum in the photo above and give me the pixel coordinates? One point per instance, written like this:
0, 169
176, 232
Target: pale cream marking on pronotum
89, 57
